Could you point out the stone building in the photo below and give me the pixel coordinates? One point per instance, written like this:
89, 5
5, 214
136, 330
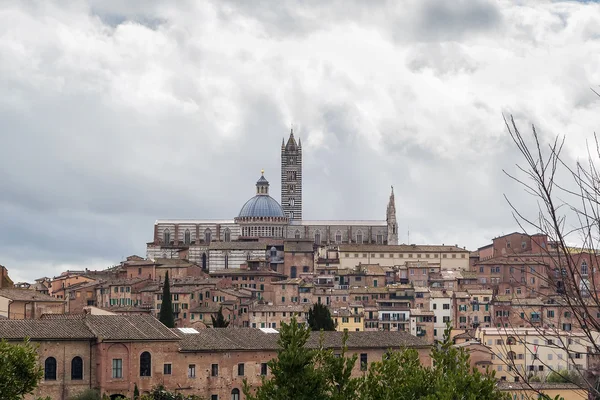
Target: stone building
262, 223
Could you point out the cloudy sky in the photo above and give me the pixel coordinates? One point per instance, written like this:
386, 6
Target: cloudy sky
114, 114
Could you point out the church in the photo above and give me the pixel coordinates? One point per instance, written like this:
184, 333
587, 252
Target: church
264, 225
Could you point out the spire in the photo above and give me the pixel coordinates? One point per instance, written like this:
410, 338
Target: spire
299, 142
392, 202
291, 143
262, 185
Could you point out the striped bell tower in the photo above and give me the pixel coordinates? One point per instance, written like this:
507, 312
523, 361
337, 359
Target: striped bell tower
291, 178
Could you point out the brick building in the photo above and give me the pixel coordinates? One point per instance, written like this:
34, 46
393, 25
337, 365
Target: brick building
113, 353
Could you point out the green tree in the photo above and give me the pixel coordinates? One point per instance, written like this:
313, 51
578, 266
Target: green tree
293, 373
564, 376
337, 372
220, 321
19, 369
319, 318
88, 394
166, 308
401, 375
136, 392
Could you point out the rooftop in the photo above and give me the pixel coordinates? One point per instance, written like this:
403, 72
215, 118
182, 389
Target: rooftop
208, 340
27, 295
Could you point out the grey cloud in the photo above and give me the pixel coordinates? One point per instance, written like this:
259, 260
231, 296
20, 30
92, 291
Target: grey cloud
173, 119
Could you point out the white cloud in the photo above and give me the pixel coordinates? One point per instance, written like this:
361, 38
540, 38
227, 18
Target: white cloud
117, 113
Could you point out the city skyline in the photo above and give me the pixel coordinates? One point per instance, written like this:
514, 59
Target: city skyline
117, 115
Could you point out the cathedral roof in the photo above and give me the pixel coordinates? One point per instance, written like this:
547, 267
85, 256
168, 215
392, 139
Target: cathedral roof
261, 206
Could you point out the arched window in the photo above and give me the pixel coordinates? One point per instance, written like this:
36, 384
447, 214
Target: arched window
226, 261
359, 237
248, 256
584, 268
317, 237
167, 236
291, 215
187, 237
291, 202
207, 235
511, 340
297, 234
293, 272
76, 369
235, 394
273, 252
227, 235
50, 369
305, 269
338, 237
145, 364
379, 238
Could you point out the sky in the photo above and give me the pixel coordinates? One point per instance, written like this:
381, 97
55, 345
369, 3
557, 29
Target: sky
114, 114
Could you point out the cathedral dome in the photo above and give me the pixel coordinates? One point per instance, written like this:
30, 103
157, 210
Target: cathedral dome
261, 206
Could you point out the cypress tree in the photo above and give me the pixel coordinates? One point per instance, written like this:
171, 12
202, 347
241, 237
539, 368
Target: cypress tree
220, 321
166, 308
319, 318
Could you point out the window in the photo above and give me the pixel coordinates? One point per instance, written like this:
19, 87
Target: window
241, 369
446, 306
192, 371
187, 237
76, 369
145, 364
214, 397
584, 268
293, 272
117, 368
338, 237
317, 237
550, 313
363, 361
380, 239
50, 369
166, 236
207, 235
297, 234
227, 235
167, 369
359, 237
214, 370
235, 394
263, 368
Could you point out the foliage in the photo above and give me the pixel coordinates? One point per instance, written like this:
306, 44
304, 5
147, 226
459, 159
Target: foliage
160, 393
303, 373
220, 321
337, 372
293, 372
136, 392
166, 308
319, 318
88, 394
19, 369
401, 375
564, 376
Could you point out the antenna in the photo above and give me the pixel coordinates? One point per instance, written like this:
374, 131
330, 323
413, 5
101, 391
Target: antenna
408, 235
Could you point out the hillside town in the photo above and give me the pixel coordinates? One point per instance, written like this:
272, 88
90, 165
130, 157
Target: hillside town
504, 301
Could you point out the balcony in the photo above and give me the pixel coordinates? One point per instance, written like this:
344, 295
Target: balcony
342, 287
386, 318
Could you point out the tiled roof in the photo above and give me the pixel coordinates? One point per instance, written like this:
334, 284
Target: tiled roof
27, 295
128, 327
247, 272
255, 339
279, 308
37, 329
407, 248
298, 246
85, 326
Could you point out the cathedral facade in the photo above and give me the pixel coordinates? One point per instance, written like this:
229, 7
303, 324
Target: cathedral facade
262, 226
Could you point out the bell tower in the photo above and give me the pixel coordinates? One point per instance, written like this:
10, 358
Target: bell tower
291, 178
392, 225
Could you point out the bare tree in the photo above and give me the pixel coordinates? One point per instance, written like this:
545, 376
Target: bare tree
567, 196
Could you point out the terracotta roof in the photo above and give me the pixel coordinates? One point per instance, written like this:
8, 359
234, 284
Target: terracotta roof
212, 308
37, 329
298, 246
248, 272
128, 327
210, 340
407, 248
279, 308
27, 295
